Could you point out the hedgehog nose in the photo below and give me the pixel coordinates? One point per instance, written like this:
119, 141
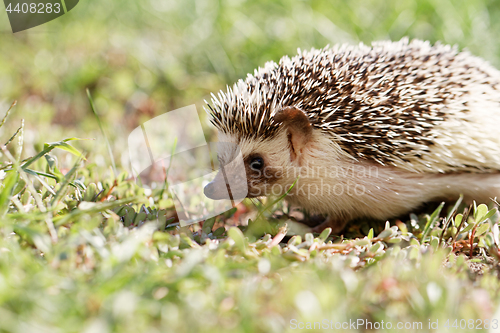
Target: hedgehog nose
216, 190
209, 190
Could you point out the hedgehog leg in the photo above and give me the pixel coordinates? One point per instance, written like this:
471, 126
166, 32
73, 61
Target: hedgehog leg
337, 225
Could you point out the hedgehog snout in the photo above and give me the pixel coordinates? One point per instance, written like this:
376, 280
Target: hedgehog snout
210, 191
219, 189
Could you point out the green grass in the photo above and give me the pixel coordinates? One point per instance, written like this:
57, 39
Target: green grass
83, 248
76, 255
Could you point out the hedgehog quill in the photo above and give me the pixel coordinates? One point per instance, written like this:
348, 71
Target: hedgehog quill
368, 131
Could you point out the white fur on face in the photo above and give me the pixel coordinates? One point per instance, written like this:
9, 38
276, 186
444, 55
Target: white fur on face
275, 153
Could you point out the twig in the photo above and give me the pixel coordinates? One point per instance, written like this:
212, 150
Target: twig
13, 137
7, 114
115, 183
279, 236
450, 217
465, 217
471, 240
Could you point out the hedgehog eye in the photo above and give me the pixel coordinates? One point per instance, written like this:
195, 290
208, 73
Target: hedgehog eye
257, 163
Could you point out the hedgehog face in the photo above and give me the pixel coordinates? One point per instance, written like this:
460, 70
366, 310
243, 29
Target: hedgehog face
263, 165
271, 165
266, 166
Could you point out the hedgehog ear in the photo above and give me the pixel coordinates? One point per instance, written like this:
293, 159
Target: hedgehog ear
298, 127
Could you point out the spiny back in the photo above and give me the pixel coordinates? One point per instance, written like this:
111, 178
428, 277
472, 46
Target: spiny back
389, 103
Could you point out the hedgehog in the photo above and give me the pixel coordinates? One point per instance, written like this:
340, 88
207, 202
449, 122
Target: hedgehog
363, 131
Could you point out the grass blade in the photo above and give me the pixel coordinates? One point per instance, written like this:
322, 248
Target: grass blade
432, 220
64, 185
267, 207
102, 131
48, 147
97, 208
7, 114
9, 183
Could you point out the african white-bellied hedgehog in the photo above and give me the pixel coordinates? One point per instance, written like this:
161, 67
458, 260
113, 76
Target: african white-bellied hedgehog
367, 131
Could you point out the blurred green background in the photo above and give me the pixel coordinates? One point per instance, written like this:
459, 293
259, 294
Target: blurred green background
140, 59
144, 58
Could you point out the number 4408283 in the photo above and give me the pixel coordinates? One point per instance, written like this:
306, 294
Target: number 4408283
35, 8
471, 324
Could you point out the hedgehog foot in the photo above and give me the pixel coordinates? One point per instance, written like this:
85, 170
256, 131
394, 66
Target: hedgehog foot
337, 225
